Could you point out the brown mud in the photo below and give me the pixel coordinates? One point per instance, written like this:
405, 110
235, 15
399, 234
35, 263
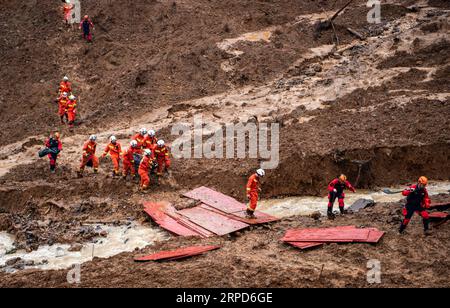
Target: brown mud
377, 110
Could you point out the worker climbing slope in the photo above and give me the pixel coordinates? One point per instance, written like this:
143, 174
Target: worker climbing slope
128, 159
62, 106
253, 189
71, 110
336, 191
417, 201
65, 86
144, 168
162, 156
67, 11
151, 141
89, 158
54, 146
141, 138
86, 25
114, 149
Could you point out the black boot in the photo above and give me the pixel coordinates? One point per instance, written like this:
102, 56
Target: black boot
402, 228
249, 214
426, 227
341, 209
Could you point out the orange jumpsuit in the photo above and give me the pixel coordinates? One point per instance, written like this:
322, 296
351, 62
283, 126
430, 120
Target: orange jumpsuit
114, 150
65, 86
128, 161
67, 9
144, 167
150, 143
140, 140
89, 154
62, 104
163, 158
253, 187
71, 111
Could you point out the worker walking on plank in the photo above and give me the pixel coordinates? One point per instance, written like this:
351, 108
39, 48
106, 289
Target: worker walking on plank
89, 158
86, 25
114, 149
65, 86
141, 138
62, 106
417, 200
162, 156
336, 190
128, 159
253, 189
54, 146
144, 168
71, 110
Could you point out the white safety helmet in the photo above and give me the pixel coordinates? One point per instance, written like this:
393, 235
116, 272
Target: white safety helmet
147, 152
260, 172
93, 138
72, 97
64, 94
68, 1
65, 78
143, 131
151, 133
113, 139
160, 143
133, 143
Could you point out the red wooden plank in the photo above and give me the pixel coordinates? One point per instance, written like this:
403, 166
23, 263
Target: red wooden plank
176, 254
439, 215
212, 221
329, 235
260, 218
374, 236
305, 245
298, 232
240, 216
216, 199
157, 212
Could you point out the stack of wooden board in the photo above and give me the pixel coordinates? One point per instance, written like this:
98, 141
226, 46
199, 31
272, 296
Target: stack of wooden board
215, 214
313, 237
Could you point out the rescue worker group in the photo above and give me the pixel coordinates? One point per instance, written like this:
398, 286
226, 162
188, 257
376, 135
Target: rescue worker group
148, 155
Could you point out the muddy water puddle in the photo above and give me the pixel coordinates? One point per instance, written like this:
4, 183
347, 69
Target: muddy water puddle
58, 256
292, 206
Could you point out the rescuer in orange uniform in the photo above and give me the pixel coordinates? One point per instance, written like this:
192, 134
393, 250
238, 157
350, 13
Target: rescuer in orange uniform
65, 86
151, 141
115, 151
162, 156
67, 10
140, 138
144, 168
89, 154
71, 110
253, 189
128, 159
62, 106
417, 201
